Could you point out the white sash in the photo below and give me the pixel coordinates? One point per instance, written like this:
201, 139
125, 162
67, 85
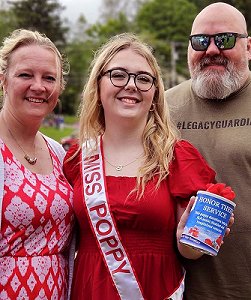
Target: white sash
102, 223
101, 220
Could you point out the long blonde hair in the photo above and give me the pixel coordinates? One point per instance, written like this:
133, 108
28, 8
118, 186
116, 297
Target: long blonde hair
159, 135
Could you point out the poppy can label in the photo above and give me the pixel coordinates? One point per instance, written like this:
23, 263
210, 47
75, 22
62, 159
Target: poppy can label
207, 222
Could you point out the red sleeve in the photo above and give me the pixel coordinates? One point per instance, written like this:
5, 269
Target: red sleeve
71, 166
189, 171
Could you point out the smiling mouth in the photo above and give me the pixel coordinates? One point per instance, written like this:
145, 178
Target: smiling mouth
129, 100
35, 100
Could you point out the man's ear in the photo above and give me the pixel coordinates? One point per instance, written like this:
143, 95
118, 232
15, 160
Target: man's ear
249, 47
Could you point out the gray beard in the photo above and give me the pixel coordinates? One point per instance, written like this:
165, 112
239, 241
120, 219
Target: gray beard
213, 84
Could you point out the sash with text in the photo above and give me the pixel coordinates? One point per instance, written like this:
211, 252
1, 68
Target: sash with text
103, 225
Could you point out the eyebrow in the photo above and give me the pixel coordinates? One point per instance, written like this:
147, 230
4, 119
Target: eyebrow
124, 69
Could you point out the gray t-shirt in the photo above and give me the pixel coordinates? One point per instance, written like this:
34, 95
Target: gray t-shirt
221, 131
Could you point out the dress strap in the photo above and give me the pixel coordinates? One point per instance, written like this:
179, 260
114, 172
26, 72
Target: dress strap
103, 225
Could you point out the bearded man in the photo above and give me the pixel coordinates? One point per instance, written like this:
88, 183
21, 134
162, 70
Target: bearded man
213, 111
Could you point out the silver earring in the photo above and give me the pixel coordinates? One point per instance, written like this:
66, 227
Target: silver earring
152, 108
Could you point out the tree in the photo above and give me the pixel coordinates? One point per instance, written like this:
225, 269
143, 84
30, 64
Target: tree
6, 23
169, 22
101, 32
79, 54
112, 8
43, 16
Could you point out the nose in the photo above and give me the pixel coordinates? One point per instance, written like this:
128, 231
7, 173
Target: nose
131, 82
37, 85
212, 48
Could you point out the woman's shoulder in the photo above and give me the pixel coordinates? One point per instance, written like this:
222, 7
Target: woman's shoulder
189, 171
72, 163
185, 148
185, 152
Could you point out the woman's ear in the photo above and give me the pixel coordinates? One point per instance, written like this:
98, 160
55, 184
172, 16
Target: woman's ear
3, 83
2, 79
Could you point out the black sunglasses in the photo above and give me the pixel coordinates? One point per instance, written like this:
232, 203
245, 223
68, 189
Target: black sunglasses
223, 40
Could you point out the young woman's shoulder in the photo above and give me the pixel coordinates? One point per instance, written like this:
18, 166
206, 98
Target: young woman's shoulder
71, 166
189, 171
185, 148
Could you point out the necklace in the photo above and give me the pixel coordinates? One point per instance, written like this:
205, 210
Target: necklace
30, 160
120, 167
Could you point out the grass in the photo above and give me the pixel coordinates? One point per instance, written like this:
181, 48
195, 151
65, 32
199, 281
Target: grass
55, 133
70, 119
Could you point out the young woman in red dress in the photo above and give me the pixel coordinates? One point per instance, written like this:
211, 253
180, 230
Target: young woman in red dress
132, 180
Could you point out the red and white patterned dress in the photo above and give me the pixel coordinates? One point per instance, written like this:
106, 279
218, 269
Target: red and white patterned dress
37, 220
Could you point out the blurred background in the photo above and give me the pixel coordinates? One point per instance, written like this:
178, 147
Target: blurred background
79, 27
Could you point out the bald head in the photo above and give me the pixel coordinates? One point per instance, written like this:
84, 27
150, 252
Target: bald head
219, 17
216, 72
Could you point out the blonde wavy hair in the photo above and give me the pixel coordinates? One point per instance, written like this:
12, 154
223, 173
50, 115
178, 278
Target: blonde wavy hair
24, 37
159, 135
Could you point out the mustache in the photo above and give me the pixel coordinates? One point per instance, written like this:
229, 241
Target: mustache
213, 60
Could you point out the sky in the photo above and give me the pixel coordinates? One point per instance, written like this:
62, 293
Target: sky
89, 8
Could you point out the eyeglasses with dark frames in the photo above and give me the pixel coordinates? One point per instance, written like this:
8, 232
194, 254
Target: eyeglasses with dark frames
120, 78
223, 40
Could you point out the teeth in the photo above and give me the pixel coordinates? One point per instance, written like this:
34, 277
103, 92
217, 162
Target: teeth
131, 101
35, 100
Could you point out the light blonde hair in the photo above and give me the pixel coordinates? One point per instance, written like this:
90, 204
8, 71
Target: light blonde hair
159, 135
24, 37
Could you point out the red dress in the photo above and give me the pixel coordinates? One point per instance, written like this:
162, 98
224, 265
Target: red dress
37, 220
147, 227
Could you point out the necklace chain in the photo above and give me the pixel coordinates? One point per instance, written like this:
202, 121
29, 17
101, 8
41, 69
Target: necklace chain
120, 167
30, 160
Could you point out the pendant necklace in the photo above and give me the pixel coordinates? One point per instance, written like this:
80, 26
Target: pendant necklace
120, 167
30, 160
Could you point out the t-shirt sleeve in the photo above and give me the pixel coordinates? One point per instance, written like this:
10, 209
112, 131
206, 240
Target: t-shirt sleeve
71, 165
189, 171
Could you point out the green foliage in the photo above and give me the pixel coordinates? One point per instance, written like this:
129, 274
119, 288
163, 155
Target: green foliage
169, 22
43, 16
101, 32
80, 55
7, 21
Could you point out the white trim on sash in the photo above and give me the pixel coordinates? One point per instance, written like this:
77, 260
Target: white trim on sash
101, 220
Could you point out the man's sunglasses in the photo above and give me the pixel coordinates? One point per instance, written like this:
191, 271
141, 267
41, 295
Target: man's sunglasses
223, 40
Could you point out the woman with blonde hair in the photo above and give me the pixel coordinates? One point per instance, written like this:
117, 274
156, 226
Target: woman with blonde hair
132, 180
36, 215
